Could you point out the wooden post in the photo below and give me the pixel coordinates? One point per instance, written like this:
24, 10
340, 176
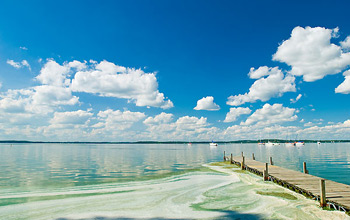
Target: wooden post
242, 154
231, 160
242, 164
304, 168
253, 156
271, 162
224, 156
323, 202
267, 168
265, 175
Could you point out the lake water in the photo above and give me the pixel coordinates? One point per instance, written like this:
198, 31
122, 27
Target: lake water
97, 181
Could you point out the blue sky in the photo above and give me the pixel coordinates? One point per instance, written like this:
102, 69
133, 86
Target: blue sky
135, 70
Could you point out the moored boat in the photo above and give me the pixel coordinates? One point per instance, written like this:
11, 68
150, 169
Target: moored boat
299, 143
213, 144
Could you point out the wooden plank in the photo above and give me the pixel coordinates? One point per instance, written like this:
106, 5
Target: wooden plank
335, 192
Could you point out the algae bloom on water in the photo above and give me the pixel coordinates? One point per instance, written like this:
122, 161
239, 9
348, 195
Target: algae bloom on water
277, 194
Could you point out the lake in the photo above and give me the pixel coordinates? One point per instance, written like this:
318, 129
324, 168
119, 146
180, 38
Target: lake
163, 181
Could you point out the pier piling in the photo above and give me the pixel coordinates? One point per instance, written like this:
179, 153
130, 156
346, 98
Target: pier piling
304, 168
266, 172
224, 156
253, 156
231, 160
242, 154
242, 164
323, 202
271, 162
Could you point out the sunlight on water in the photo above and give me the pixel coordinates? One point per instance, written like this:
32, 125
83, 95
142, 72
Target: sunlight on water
55, 181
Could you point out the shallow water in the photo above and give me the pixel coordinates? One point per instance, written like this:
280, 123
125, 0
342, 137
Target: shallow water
53, 181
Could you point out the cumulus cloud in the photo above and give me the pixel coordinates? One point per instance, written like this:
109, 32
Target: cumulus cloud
344, 87
57, 75
346, 43
235, 113
311, 54
207, 103
296, 99
336, 131
162, 118
73, 117
162, 127
108, 79
274, 85
271, 114
23, 48
117, 120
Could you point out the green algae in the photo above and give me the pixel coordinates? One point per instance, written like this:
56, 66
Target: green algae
223, 163
19, 200
277, 194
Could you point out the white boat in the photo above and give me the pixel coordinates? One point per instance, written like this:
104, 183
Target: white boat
189, 144
261, 143
318, 142
289, 144
299, 144
270, 144
212, 144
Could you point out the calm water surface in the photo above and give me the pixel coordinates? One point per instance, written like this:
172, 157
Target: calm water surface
59, 174
40, 165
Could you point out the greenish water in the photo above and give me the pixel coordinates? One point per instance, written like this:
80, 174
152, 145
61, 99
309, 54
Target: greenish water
85, 181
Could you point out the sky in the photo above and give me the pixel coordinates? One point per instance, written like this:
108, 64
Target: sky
174, 70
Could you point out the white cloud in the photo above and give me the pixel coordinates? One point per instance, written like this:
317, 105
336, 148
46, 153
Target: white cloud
0, 85
57, 75
117, 120
265, 88
296, 99
36, 100
346, 43
207, 103
262, 71
53, 96
311, 54
162, 118
18, 65
23, 48
162, 127
108, 79
308, 124
344, 87
235, 113
271, 114
74, 117
336, 131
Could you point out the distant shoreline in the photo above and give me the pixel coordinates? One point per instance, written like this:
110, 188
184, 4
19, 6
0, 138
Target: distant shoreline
168, 142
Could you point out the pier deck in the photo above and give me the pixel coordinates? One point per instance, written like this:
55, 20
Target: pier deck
337, 194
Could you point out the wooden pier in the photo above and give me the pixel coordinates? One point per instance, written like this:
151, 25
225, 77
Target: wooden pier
329, 193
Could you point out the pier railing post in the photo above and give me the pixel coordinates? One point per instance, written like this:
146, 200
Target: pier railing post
304, 168
266, 172
224, 156
231, 159
323, 202
271, 162
253, 156
243, 163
